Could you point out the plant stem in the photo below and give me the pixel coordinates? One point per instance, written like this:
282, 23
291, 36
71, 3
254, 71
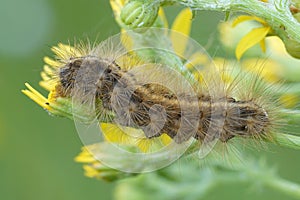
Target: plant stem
276, 13
287, 187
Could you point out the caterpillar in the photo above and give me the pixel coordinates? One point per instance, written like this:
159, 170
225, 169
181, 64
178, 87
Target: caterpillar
133, 103
141, 90
209, 110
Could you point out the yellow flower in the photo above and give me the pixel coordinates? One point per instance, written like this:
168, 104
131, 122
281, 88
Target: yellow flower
182, 24
277, 64
55, 104
93, 168
256, 35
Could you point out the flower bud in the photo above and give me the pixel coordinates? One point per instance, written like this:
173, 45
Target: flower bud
137, 14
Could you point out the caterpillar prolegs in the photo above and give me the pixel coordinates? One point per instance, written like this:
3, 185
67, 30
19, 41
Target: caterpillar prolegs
149, 85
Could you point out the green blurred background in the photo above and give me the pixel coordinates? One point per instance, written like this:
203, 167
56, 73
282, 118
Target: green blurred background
37, 150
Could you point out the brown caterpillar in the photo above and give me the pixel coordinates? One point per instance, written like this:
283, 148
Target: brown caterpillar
142, 105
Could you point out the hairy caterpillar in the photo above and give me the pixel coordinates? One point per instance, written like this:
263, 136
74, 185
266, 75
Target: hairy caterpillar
147, 85
134, 102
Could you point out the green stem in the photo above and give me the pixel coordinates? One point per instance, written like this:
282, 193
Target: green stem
287, 187
261, 174
275, 13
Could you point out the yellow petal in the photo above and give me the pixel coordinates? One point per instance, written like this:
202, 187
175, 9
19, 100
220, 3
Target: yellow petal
249, 40
112, 133
130, 136
127, 135
262, 44
90, 172
64, 52
49, 71
49, 85
45, 76
51, 62
162, 16
144, 144
166, 140
147, 145
84, 158
48, 82
183, 21
197, 58
126, 40
36, 97
116, 6
243, 18
181, 24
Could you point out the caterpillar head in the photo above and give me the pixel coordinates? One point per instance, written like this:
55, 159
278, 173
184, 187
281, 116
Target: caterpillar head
84, 73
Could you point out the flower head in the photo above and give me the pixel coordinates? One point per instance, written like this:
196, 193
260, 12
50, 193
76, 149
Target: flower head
55, 103
93, 168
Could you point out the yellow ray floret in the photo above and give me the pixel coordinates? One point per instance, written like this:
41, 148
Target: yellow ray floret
36, 97
50, 79
182, 24
51, 62
85, 156
66, 52
131, 136
93, 168
255, 36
